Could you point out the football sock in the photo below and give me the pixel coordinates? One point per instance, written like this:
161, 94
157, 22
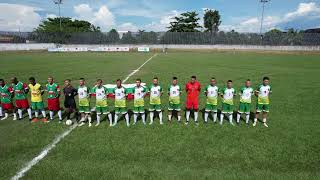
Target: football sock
151, 117
169, 117
5, 115
29, 113
187, 115
127, 119
44, 114
196, 116
20, 113
110, 118
221, 118
14, 115
89, 119
264, 120
230, 118
98, 118
206, 115
215, 116
247, 118
238, 117
115, 119
1, 111
36, 114
51, 115
143, 116
160, 117
255, 120
179, 118
135, 117
60, 115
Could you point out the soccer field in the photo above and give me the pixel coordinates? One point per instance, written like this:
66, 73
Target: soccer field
288, 149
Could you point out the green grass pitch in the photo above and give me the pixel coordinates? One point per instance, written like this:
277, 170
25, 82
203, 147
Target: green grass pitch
288, 149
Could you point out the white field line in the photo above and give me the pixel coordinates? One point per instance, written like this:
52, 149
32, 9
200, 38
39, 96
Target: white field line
53, 144
135, 71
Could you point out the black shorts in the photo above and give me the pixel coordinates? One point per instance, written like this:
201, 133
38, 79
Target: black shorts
70, 104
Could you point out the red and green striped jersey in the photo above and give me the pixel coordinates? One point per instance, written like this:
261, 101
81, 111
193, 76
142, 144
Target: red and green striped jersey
6, 92
53, 90
20, 90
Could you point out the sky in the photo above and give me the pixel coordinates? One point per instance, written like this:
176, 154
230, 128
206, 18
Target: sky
155, 15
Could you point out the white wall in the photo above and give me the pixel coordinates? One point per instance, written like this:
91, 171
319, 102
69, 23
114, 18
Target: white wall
27, 47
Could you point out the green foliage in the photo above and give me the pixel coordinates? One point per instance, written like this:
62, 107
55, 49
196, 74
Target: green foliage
144, 37
277, 37
127, 38
113, 36
67, 24
186, 22
72, 31
212, 20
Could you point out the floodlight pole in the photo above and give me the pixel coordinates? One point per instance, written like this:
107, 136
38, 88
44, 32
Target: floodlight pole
59, 2
60, 16
262, 15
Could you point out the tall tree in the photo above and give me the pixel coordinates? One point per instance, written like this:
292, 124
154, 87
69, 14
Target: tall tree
146, 37
113, 36
73, 31
185, 22
212, 20
127, 38
68, 25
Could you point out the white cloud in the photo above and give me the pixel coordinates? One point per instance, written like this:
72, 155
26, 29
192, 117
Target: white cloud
128, 27
50, 16
301, 18
163, 23
15, 17
250, 21
137, 12
304, 9
103, 17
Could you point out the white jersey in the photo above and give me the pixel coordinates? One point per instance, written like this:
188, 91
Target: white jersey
174, 91
120, 93
212, 94
228, 95
139, 92
100, 93
155, 91
212, 91
263, 94
83, 92
155, 94
246, 94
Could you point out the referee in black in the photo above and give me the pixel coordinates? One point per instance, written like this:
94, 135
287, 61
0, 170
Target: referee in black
69, 102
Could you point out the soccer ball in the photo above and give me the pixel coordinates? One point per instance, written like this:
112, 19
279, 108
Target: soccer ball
69, 122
